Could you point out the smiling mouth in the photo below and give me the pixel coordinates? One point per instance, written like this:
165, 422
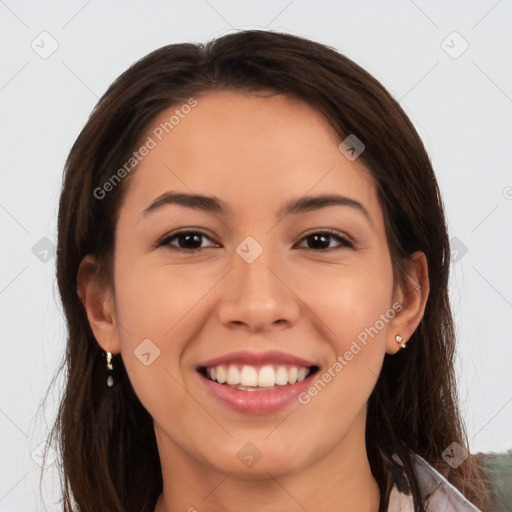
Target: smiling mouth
257, 377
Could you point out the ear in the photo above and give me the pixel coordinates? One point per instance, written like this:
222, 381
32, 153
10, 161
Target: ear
413, 301
98, 302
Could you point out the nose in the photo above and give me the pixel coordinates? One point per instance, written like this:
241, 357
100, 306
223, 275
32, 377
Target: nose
256, 296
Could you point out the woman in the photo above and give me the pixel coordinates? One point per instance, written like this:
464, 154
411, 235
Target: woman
253, 262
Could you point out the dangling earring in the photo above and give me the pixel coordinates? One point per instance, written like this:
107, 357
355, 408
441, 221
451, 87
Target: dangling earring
400, 341
110, 369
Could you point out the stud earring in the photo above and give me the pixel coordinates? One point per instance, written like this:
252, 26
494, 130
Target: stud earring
110, 369
400, 341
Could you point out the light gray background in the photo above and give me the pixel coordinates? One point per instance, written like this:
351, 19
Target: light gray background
461, 107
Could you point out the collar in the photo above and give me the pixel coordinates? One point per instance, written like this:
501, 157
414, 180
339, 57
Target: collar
443, 495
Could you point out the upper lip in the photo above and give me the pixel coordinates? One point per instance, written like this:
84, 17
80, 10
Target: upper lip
257, 358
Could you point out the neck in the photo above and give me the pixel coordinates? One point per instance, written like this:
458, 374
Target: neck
339, 480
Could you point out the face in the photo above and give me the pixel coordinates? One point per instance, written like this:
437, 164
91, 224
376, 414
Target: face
275, 293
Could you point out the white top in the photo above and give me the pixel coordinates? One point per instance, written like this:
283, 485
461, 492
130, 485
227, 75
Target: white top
445, 497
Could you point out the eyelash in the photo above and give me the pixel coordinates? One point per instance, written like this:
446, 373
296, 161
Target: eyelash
345, 242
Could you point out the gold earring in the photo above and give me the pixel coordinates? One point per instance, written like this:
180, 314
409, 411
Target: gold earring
400, 341
110, 368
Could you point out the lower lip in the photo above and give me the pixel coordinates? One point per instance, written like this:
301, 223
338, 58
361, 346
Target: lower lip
257, 402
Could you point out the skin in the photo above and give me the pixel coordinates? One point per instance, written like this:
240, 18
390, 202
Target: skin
255, 152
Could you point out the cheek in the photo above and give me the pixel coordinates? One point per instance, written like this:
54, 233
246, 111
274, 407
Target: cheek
354, 307
358, 315
157, 311
351, 302
154, 300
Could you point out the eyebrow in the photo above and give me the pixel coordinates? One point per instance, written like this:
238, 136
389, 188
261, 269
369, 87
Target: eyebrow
215, 205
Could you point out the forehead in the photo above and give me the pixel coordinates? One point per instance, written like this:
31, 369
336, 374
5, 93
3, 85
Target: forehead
237, 125
247, 148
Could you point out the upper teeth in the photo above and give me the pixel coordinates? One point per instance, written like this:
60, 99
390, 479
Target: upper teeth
266, 376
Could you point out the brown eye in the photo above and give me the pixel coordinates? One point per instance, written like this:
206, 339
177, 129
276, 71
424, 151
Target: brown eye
186, 240
321, 241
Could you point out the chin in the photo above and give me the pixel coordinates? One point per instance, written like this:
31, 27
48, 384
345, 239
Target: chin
250, 463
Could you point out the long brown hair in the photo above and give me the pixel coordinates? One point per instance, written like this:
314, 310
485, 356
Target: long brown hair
109, 454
